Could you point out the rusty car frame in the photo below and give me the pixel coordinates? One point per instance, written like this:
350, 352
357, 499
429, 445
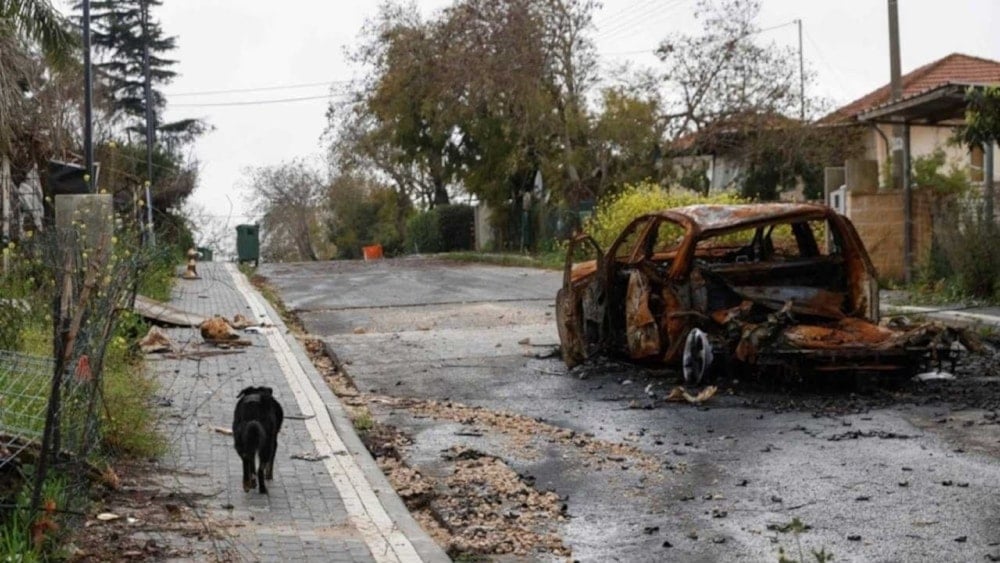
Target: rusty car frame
786, 286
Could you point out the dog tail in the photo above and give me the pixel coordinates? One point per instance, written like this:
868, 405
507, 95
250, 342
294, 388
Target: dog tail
255, 434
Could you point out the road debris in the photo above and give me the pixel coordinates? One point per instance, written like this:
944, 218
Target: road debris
679, 395
156, 340
309, 456
218, 331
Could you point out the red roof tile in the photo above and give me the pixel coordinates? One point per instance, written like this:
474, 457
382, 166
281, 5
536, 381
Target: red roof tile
956, 68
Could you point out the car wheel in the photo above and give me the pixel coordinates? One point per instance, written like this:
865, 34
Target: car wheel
697, 357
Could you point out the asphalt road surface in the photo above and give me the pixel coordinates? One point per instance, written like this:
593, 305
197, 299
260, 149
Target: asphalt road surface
908, 474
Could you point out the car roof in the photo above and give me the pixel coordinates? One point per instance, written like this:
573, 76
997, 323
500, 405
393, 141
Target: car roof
711, 217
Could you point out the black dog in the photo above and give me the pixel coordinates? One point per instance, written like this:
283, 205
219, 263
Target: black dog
256, 423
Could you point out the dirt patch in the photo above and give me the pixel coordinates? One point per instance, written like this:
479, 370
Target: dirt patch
481, 506
525, 432
140, 520
496, 510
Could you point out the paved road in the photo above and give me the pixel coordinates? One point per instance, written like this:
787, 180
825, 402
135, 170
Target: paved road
876, 479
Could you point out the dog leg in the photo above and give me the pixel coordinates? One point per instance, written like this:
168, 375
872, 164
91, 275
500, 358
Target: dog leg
270, 460
260, 478
248, 478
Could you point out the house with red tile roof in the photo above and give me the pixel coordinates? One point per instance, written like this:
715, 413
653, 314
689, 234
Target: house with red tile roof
932, 103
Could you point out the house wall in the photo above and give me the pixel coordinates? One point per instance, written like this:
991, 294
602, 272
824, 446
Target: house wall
924, 139
878, 218
722, 172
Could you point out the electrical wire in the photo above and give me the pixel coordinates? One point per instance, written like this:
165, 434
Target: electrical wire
652, 15
625, 14
260, 89
826, 64
255, 102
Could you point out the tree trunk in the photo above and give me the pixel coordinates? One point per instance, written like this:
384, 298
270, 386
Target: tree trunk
440, 193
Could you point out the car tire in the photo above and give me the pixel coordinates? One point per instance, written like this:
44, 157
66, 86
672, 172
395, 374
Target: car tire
698, 359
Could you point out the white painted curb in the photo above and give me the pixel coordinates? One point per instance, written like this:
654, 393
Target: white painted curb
386, 542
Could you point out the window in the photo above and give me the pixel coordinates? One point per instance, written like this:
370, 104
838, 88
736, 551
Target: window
628, 239
667, 238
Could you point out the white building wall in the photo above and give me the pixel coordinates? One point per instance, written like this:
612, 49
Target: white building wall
924, 140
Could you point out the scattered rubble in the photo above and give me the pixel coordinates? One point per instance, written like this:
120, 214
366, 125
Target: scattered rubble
525, 431
139, 519
679, 394
156, 340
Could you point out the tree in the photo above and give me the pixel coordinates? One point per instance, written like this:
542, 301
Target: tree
398, 116
982, 117
479, 98
25, 24
982, 129
287, 196
782, 157
124, 33
37, 48
571, 65
38, 22
733, 96
722, 73
121, 32
627, 136
362, 211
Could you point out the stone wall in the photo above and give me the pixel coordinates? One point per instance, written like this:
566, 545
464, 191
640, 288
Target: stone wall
878, 218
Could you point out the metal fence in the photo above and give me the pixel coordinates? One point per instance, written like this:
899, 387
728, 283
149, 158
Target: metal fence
25, 390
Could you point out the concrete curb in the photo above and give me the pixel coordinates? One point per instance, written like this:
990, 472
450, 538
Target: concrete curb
426, 548
948, 315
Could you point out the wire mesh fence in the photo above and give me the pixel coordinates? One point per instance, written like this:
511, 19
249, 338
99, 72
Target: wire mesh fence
65, 290
25, 390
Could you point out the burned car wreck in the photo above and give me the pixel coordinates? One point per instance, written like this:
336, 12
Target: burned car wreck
755, 287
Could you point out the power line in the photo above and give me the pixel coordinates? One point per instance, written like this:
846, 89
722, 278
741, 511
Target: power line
650, 15
624, 14
773, 27
649, 51
260, 89
652, 50
254, 102
826, 63
624, 11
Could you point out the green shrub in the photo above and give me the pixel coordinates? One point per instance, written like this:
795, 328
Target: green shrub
156, 278
975, 263
423, 234
17, 540
614, 213
25, 299
456, 224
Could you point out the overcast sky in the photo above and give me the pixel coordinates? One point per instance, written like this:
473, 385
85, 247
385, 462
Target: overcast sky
296, 49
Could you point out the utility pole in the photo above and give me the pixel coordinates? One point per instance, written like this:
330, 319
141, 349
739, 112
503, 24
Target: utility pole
802, 78
901, 143
896, 88
988, 180
150, 123
88, 102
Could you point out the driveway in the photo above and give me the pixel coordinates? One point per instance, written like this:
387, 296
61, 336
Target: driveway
460, 359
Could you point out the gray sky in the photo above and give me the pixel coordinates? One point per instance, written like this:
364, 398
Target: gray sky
251, 44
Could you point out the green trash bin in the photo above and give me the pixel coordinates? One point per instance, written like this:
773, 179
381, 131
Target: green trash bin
205, 254
248, 243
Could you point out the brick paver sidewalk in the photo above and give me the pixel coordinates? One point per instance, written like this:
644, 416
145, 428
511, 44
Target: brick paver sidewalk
336, 506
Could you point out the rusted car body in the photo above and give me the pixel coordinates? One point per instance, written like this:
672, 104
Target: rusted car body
771, 285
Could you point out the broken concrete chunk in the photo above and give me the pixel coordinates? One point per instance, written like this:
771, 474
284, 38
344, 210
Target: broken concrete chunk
156, 340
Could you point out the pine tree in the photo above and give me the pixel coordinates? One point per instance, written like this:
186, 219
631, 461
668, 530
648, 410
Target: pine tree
120, 40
